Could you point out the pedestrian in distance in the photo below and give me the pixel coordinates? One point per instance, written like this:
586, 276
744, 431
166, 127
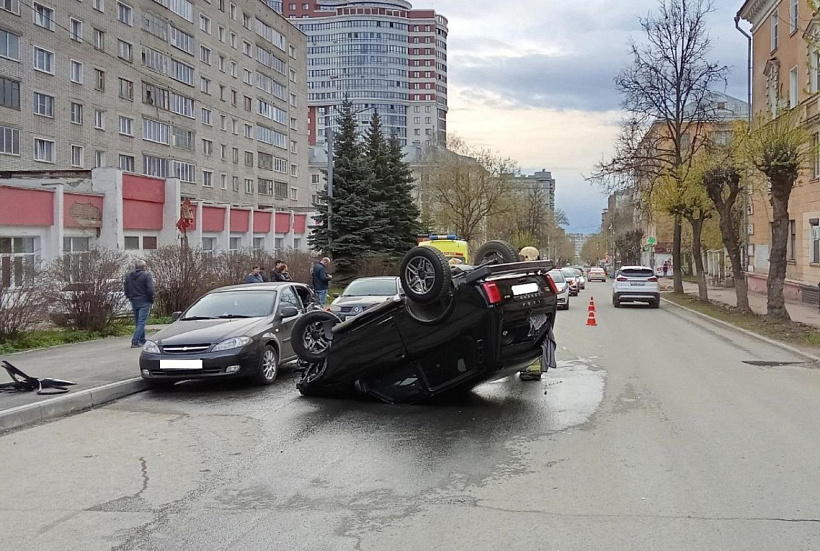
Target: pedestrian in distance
139, 290
255, 276
279, 272
321, 280
665, 267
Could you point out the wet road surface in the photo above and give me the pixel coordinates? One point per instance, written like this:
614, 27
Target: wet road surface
652, 434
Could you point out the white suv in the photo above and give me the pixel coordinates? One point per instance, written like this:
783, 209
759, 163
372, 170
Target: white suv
636, 284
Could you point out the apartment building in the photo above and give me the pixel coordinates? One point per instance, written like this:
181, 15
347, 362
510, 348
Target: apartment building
212, 93
786, 75
384, 56
540, 182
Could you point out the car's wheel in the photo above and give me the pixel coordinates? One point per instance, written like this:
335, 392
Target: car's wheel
496, 252
268, 366
425, 274
615, 302
310, 335
655, 303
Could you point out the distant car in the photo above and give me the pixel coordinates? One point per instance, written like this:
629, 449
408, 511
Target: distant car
563, 288
596, 274
582, 280
362, 293
636, 284
231, 332
573, 280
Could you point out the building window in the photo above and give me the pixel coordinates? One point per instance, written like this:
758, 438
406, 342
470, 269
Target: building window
814, 245
126, 89
235, 183
75, 29
314, 178
280, 191
235, 155
794, 15
9, 45
815, 151
249, 158
126, 126
43, 60
99, 119
186, 172
249, 186
99, 159
9, 93
76, 71
44, 150
149, 242
792, 244
125, 14
127, 163
294, 193
205, 55
204, 23
99, 80
132, 243
99, 39
223, 181
793, 88
155, 131
294, 170
9, 141
258, 243
208, 244
18, 257
77, 156
206, 116
235, 243
207, 178
205, 85
99, 5
125, 51
154, 166
43, 105
774, 22
207, 147
76, 113
43, 16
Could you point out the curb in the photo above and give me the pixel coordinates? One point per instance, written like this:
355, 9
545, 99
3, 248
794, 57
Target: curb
70, 403
784, 346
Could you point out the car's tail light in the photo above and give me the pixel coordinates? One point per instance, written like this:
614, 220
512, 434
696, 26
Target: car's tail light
553, 286
622, 278
493, 294
653, 279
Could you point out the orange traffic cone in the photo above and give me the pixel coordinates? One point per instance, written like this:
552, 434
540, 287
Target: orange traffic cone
591, 319
591, 304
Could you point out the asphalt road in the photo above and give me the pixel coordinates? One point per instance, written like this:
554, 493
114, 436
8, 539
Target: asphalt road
652, 434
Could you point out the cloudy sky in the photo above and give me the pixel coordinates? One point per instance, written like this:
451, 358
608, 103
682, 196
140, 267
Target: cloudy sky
533, 79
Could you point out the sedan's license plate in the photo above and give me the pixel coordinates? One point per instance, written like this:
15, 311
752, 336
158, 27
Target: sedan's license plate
525, 289
180, 364
636, 283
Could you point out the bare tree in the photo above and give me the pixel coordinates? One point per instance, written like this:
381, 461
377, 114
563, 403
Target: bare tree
668, 93
464, 185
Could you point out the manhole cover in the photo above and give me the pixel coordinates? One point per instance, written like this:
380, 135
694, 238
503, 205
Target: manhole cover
764, 363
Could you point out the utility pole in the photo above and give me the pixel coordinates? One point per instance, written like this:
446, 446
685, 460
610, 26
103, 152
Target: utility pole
746, 198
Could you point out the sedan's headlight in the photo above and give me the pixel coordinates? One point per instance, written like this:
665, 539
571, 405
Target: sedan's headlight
230, 344
150, 346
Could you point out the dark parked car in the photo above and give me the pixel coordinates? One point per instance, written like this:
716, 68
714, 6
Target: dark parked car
362, 293
453, 329
238, 331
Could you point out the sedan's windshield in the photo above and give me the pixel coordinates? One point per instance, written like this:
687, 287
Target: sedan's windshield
557, 276
569, 272
637, 272
233, 304
371, 288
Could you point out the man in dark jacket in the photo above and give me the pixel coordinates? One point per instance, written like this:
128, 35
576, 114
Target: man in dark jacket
276, 274
139, 289
321, 280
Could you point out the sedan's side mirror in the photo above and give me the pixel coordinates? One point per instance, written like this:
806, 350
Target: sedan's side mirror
289, 311
175, 315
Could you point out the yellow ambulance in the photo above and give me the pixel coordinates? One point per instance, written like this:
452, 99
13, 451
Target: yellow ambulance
456, 250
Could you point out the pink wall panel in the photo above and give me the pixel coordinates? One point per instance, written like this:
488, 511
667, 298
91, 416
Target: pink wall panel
213, 219
26, 207
141, 215
82, 211
240, 220
261, 221
299, 223
143, 188
282, 222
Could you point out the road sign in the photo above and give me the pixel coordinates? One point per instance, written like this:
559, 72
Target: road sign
651, 241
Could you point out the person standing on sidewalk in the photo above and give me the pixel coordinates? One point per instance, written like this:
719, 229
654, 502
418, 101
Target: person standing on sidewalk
321, 280
139, 289
255, 276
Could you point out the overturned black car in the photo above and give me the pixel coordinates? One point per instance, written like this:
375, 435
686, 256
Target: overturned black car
454, 328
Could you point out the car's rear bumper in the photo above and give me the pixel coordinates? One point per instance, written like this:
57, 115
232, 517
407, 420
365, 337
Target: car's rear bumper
637, 296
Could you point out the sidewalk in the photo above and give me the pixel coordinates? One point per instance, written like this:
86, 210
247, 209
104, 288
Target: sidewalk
104, 370
800, 312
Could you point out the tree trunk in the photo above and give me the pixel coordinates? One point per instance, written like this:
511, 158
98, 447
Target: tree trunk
775, 303
697, 253
677, 265
731, 241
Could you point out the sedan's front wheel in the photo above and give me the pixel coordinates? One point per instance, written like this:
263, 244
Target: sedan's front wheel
268, 366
